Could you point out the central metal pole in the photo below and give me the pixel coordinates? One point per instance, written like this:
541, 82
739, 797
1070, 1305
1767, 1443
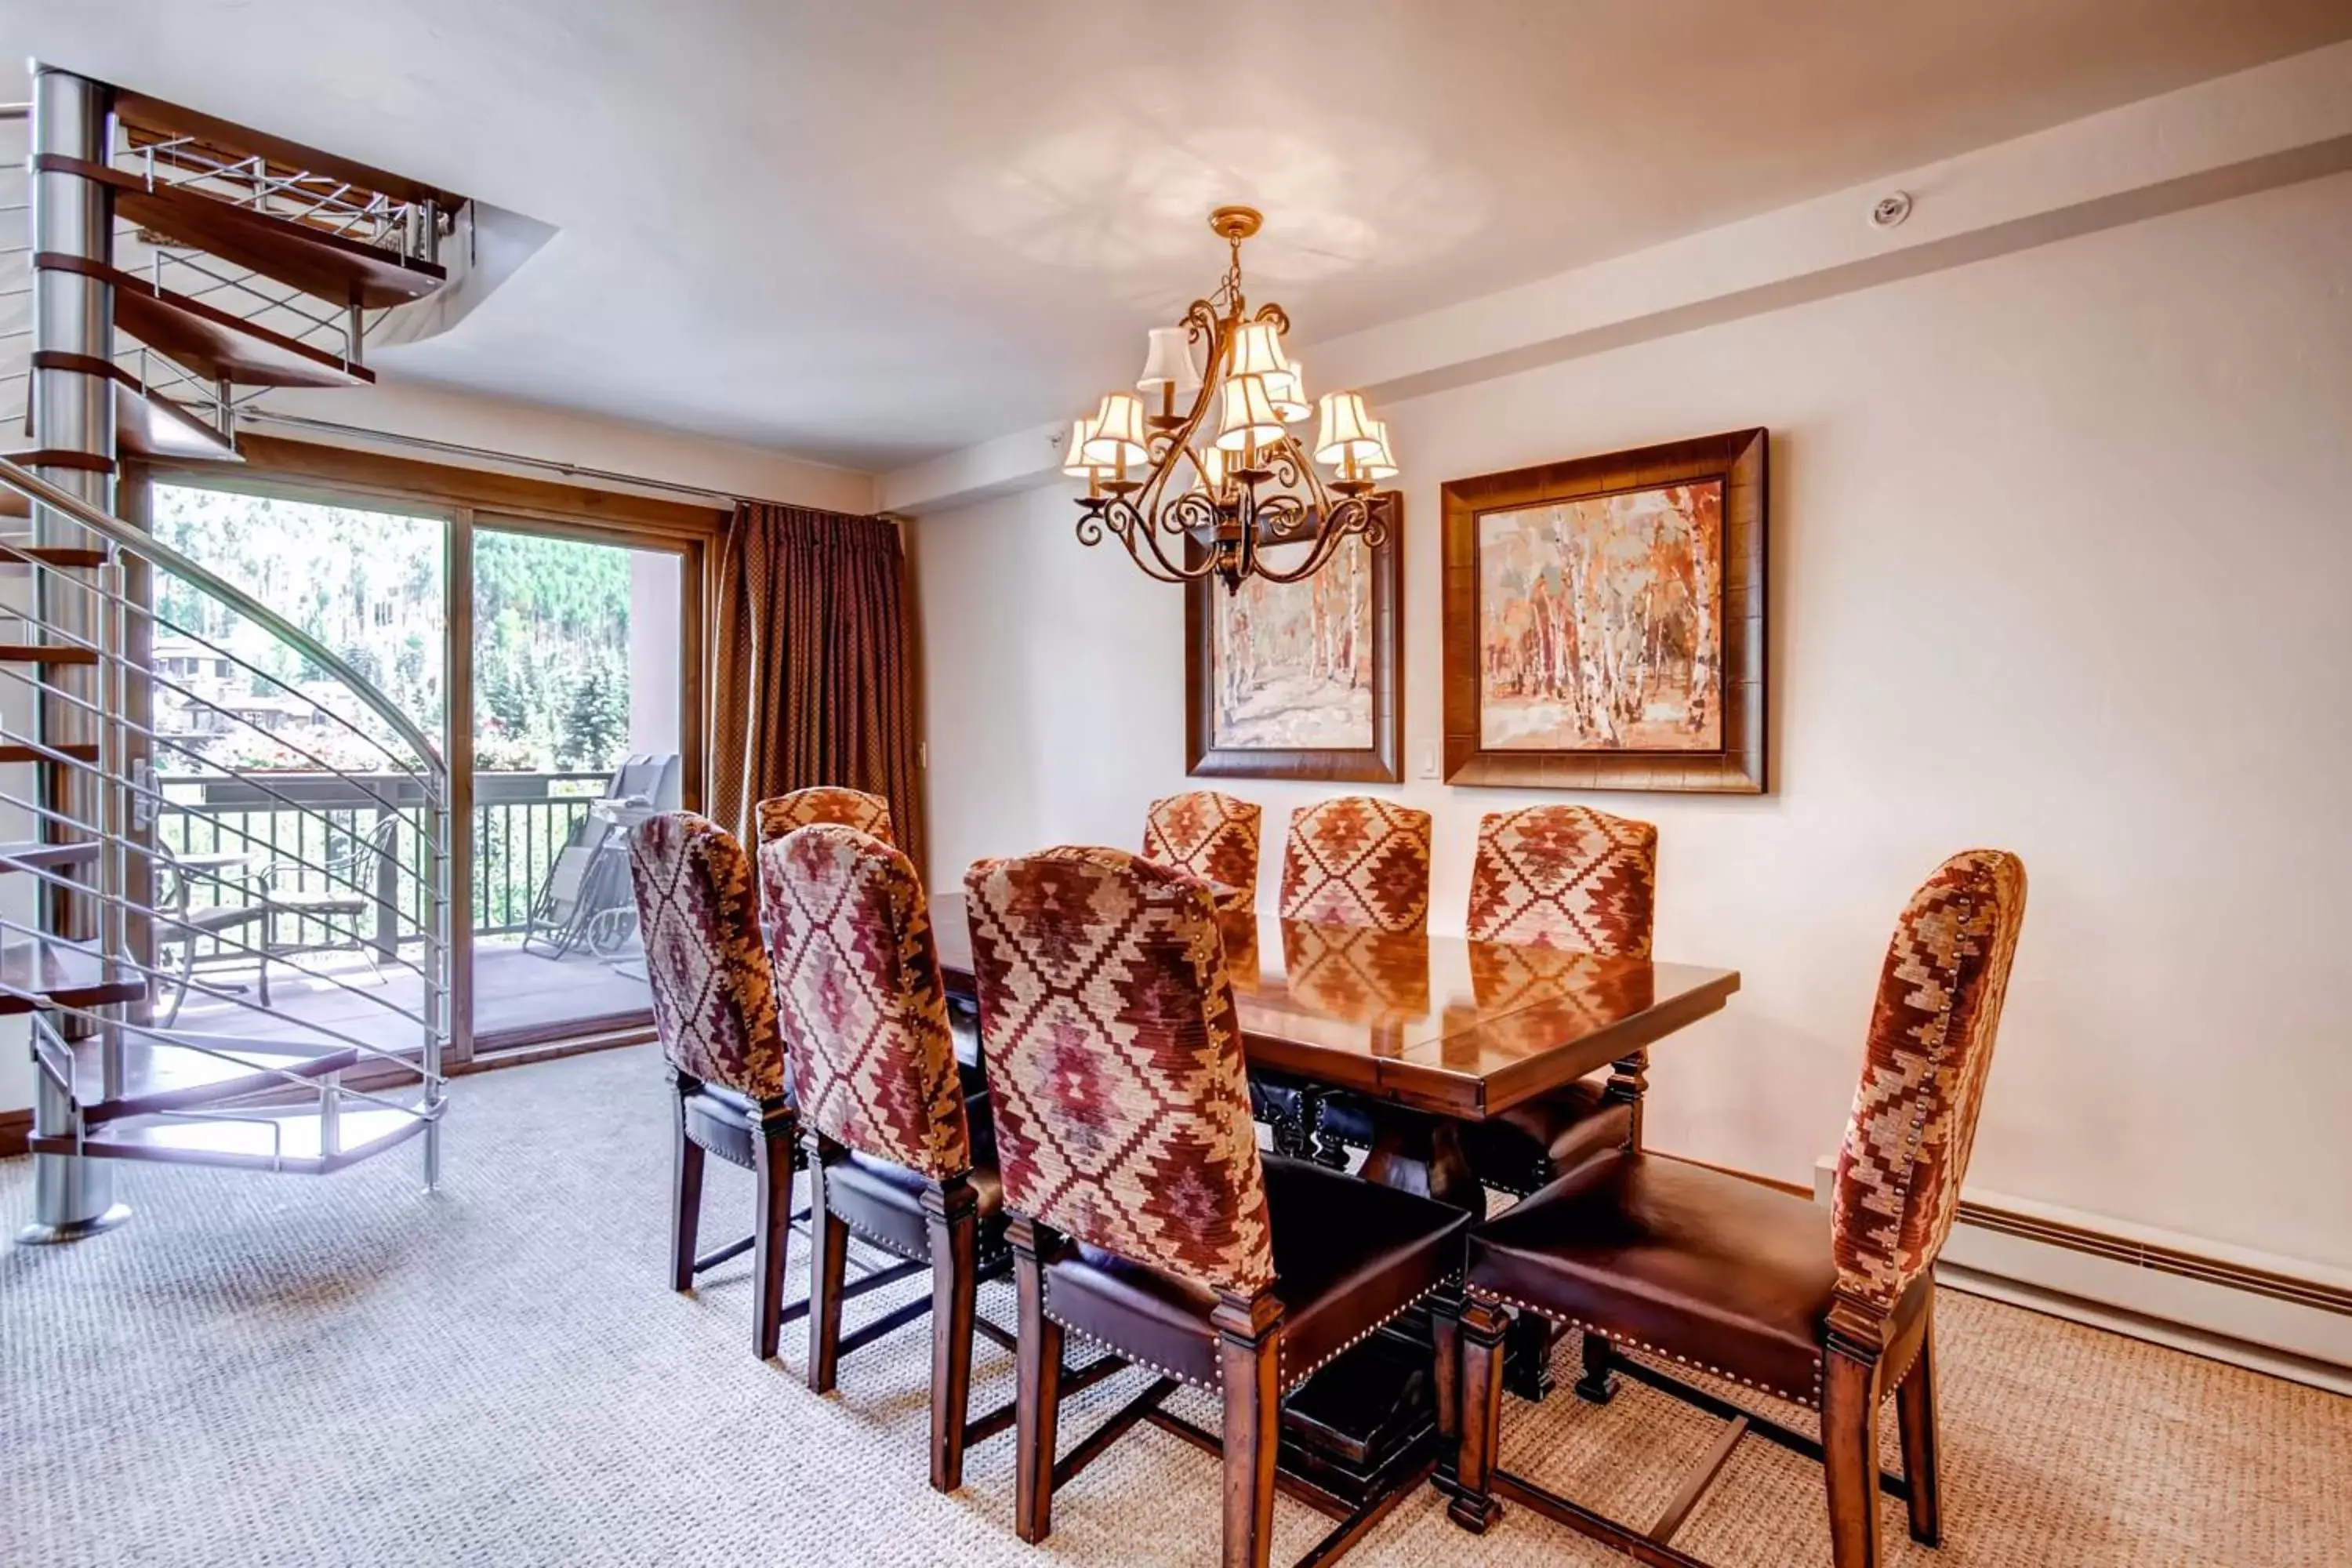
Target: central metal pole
73, 417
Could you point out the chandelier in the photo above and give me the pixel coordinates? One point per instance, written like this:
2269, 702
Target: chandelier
1191, 497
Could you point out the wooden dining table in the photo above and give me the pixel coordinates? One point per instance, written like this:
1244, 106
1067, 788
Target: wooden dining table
1430, 1033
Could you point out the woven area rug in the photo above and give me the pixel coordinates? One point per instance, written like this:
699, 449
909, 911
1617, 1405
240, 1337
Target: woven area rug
279, 1370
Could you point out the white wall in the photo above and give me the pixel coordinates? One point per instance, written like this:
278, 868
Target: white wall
2061, 548
553, 435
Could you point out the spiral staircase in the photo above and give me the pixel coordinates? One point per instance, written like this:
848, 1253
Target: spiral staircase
175, 267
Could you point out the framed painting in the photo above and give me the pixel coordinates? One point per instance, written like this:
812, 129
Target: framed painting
1298, 681
1604, 621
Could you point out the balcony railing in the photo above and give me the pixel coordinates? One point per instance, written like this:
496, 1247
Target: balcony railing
328, 835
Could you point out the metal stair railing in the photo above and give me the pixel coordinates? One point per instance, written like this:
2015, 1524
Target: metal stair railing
264, 1060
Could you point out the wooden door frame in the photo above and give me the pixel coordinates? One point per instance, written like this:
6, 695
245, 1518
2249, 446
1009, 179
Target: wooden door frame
469, 500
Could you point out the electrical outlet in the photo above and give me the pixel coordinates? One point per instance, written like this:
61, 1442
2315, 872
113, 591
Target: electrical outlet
1429, 759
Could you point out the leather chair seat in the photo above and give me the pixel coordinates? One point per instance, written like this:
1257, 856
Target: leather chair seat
1717, 1272
1532, 1144
1349, 1255
884, 1202
720, 1121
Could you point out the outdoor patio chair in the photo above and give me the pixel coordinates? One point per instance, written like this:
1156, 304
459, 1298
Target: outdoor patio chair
586, 896
343, 907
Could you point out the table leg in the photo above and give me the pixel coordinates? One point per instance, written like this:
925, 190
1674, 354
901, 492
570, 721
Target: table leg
1422, 1154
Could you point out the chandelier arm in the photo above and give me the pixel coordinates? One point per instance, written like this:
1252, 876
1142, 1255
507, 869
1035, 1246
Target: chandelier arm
1353, 516
1133, 523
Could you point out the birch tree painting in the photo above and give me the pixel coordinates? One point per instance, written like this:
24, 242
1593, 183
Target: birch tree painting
1599, 622
1292, 661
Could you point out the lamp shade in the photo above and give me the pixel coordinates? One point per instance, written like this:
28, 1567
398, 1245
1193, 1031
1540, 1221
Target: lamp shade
1118, 433
1211, 462
1345, 431
1169, 361
1249, 415
1380, 462
1286, 390
1073, 455
1257, 351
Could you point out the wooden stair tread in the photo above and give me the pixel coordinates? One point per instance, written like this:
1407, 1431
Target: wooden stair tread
290, 1142
158, 1074
147, 423
150, 425
164, 121
32, 855
14, 505
60, 974
18, 549
45, 653
208, 341
329, 265
18, 752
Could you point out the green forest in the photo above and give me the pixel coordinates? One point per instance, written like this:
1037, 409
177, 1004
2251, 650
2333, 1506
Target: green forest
551, 622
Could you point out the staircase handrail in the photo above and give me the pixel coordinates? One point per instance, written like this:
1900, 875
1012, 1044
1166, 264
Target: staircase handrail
140, 541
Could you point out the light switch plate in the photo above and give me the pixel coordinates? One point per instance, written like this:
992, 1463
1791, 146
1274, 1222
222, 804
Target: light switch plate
1429, 759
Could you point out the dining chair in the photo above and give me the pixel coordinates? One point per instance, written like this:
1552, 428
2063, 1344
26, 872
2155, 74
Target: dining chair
715, 1010
890, 1148
1143, 1216
1832, 1309
1212, 835
1354, 861
779, 815
1573, 879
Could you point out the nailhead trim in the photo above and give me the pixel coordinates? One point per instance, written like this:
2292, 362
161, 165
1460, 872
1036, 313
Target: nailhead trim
1217, 1387
1485, 1293
1281, 1353
981, 1259
1282, 1379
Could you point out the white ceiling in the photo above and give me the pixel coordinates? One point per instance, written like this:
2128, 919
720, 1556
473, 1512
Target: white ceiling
866, 231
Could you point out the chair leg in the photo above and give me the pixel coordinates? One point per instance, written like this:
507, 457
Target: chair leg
1850, 1457
951, 1213
772, 1152
828, 1268
1528, 1370
1474, 1507
1037, 1397
187, 978
1915, 1417
1445, 1379
1597, 1386
685, 1197
1249, 1328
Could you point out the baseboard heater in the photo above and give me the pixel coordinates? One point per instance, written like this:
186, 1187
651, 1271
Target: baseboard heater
2281, 1316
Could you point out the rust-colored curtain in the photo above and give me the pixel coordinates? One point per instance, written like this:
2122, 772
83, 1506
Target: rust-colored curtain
811, 681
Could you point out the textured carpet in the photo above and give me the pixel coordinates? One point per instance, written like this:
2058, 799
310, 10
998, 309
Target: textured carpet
272, 1370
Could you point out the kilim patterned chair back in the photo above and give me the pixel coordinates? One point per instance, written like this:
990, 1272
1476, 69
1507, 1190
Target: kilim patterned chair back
1566, 877
1211, 835
1358, 861
1115, 1062
699, 918
780, 814
858, 985
1931, 1040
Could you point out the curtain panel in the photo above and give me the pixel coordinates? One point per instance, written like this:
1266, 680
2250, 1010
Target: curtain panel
811, 678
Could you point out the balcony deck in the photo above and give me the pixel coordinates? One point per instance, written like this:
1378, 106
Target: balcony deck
517, 996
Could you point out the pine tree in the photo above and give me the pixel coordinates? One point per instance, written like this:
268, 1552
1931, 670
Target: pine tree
595, 722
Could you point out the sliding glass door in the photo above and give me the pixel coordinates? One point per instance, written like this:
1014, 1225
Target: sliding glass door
554, 659
578, 683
